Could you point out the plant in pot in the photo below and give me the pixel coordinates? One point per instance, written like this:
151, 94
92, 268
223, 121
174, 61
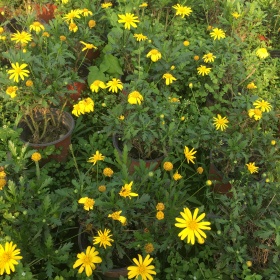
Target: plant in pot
145, 119
239, 136
35, 80
122, 215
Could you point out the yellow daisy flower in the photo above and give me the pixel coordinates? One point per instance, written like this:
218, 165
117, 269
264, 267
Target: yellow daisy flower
87, 261
88, 203
18, 71
252, 168
193, 225
203, 70
21, 37
168, 78
129, 20
126, 191
217, 34
114, 85
182, 10
220, 122
189, 154
135, 97
263, 105
96, 157
154, 54
36, 26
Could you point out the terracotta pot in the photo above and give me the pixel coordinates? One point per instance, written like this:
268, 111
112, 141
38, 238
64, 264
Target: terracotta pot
115, 273
274, 53
62, 143
45, 12
79, 87
92, 54
133, 162
220, 185
2, 17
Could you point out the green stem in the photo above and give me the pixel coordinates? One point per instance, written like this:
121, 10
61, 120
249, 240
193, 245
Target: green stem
37, 170
74, 159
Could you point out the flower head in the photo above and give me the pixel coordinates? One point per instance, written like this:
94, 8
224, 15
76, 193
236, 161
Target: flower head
160, 206
108, 172
263, 105
193, 227
235, 15
114, 85
88, 202
143, 5
126, 191
142, 268
251, 86
154, 54
117, 217
168, 78
218, 34
96, 85
189, 154
252, 168
256, 113
135, 97
149, 248
262, 53
87, 261
140, 37
73, 14
73, 27
46, 34
9, 257
18, 71
102, 188
203, 70
182, 10
199, 170
21, 37
209, 57
96, 157
129, 20
168, 166
160, 215
88, 105
186, 43
86, 12
87, 46
177, 176
36, 156
11, 90
78, 108
91, 23
36, 26
3, 183
103, 239
220, 122
106, 5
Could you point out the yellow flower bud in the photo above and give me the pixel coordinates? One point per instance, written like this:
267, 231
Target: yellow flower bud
249, 263
208, 183
273, 142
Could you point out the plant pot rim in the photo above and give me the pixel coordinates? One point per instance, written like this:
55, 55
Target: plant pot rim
115, 143
70, 123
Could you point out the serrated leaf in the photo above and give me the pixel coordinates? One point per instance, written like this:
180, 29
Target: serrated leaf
46, 182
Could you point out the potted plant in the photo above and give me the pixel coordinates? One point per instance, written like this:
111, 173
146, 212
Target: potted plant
35, 81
